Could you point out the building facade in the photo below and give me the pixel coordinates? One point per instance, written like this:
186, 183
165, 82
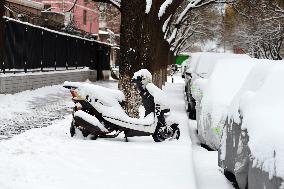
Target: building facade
85, 13
24, 9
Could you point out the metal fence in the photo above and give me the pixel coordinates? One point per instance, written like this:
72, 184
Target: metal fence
31, 48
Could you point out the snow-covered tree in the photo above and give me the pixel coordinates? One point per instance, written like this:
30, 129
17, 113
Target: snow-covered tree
256, 26
143, 43
200, 26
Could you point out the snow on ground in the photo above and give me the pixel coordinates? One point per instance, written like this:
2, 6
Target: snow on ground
35, 109
20, 102
31, 109
208, 174
49, 158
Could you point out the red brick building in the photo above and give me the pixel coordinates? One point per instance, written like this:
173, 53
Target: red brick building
85, 13
99, 19
110, 20
23, 9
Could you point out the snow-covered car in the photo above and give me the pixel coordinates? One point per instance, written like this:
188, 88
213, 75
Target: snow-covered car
214, 95
185, 74
200, 67
252, 145
188, 66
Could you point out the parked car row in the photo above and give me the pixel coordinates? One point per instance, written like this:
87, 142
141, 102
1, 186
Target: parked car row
239, 108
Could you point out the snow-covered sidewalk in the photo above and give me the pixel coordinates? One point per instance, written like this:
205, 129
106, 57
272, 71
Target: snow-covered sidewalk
35, 109
49, 158
205, 163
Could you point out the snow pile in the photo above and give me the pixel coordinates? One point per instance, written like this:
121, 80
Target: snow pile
216, 95
261, 104
110, 97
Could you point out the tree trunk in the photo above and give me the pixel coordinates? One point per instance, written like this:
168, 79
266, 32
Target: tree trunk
142, 46
2, 11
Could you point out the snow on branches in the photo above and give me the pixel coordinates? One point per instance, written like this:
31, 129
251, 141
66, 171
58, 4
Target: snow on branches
257, 27
190, 19
171, 15
148, 6
116, 2
163, 7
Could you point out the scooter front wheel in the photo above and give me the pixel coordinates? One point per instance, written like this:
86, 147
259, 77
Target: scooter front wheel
161, 134
157, 136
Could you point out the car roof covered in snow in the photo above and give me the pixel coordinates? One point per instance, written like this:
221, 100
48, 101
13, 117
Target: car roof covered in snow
204, 62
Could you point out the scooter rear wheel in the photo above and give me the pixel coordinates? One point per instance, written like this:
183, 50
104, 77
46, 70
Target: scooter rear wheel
84, 132
72, 129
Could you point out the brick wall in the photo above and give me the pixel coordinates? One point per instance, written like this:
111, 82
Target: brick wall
21, 82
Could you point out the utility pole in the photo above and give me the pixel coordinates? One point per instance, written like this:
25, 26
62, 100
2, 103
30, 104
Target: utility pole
2, 13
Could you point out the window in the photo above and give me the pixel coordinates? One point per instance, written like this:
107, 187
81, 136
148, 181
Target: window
85, 17
47, 7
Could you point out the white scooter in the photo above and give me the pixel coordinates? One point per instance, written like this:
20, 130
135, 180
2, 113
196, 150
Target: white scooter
98, 111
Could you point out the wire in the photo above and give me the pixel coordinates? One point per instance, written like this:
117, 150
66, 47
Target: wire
72, 7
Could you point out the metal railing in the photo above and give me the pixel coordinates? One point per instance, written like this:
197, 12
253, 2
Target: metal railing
30, 48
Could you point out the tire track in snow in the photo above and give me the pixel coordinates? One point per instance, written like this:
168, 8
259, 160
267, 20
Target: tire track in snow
40, 114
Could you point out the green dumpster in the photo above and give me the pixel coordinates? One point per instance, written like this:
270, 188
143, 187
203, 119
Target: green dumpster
181, 58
